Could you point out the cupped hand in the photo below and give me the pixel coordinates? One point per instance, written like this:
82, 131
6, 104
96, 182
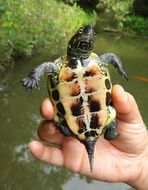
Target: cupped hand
122, 159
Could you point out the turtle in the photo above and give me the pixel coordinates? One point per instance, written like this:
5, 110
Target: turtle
80, 88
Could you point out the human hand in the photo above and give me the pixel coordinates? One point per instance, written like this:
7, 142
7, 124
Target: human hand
123, 159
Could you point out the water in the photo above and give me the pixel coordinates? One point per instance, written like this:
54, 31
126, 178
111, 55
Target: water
19, 118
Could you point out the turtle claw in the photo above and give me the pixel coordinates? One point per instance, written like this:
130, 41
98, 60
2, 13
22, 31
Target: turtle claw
111, 58
125, 76
123, 73
29, 83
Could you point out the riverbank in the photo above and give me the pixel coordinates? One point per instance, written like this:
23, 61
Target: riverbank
29, 25
120, 16
121, 32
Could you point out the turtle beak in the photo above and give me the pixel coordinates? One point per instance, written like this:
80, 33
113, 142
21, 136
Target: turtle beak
90, 145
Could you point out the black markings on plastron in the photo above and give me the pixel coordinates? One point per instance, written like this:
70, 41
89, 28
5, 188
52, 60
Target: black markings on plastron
81, 124
88, 73
55, 95
107, 84
87, 134
94, 105
108, 98
72, 63
76, 107
71, 77
94, 123
90, 134
92, 72
60, 108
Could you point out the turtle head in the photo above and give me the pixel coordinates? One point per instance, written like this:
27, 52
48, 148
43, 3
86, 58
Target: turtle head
81, 43
90, 145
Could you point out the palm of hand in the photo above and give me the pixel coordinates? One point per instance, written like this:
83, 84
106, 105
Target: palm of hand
112, 160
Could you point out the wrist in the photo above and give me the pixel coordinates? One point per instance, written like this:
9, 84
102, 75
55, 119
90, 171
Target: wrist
141, 181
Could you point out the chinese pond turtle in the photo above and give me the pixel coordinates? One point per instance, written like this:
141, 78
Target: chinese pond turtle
80, 88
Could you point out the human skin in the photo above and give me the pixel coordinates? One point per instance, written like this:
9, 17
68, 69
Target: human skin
124, 159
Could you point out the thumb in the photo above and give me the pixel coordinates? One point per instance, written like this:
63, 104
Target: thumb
125, 105
133, 134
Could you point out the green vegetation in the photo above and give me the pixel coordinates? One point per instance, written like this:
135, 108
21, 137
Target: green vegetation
114, 12
136, 25
120, 15
29, 24
116, 15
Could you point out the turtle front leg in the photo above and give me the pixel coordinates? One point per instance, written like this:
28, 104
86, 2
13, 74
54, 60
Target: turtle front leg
32, 80
111, 58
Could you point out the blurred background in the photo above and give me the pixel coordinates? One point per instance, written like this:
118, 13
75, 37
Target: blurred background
32, 32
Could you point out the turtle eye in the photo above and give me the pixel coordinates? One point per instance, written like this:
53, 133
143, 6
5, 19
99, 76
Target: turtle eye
80, 31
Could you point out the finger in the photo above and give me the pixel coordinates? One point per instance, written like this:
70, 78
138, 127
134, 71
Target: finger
125, 105
47, 154
47, 131
46, 109
70, 155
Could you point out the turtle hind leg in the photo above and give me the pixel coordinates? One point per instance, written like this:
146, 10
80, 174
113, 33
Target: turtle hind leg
63, 128
111, 58
111, 132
